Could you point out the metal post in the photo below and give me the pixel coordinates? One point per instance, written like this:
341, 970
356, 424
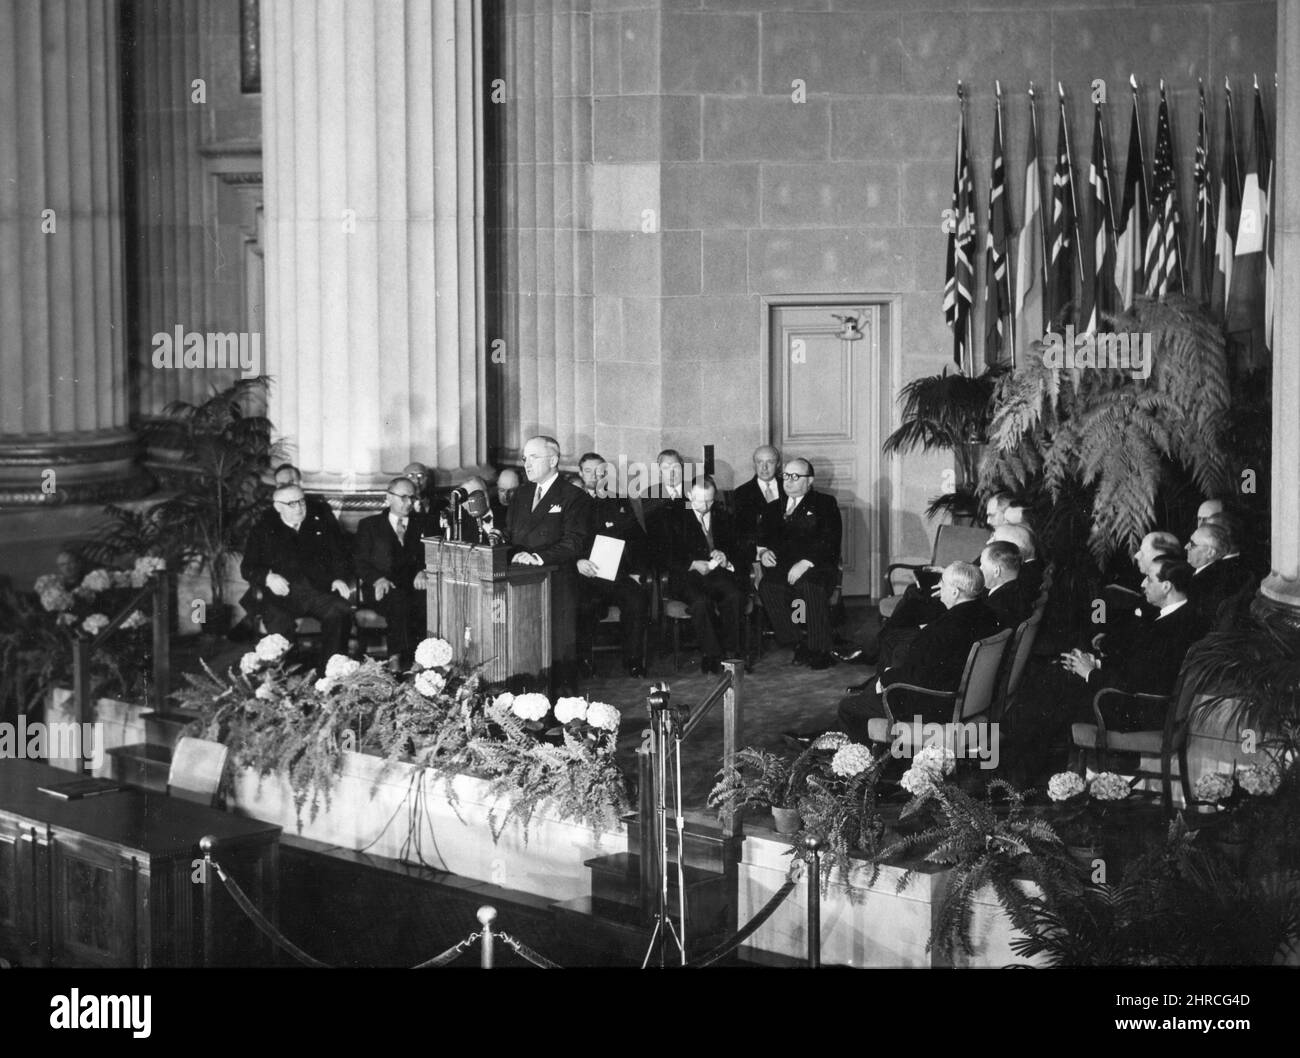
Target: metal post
814, 844
486, 915
732, 733
162, 627
207, 845
645, 759
81, 687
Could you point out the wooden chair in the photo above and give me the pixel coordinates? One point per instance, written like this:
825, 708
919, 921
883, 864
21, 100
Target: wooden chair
1013, 671
972, 701
1165, 742
196, 769
952, 543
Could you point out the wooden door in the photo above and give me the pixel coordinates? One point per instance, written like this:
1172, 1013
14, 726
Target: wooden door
829, 397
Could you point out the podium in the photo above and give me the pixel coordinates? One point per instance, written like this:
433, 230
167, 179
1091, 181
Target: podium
515, 621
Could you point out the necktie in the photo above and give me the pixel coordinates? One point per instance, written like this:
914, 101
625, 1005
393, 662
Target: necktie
537, 498
769, 491
401, 530
708, 533
790, 505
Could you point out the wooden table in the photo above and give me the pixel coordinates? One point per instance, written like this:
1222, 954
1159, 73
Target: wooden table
114, 880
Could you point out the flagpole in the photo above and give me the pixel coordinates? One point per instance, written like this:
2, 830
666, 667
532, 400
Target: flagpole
1006, 212
968, 353
1042, 203
1173, 191
1074, 198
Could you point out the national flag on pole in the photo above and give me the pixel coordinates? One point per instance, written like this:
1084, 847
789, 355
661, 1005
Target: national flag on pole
1270, 280
1164, 261
998, 335
1203, 248
1134, 216
1061, 246
960, 282
1030, 277
1099, 292
1246, 295
1229, 214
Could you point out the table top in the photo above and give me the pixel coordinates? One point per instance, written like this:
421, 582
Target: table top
152, 824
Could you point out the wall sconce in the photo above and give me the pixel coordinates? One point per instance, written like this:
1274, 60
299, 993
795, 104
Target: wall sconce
850, 331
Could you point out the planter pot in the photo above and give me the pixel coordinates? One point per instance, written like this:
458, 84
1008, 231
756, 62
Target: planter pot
786, 820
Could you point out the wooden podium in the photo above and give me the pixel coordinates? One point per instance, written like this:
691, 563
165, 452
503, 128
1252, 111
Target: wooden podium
516, 621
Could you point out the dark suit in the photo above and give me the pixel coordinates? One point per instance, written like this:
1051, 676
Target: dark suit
715, 599
310, 559
1145, 662
936, 660
753, 514
659, 516
1214, 584
614, 516
381, 555
812, 532
1011, 603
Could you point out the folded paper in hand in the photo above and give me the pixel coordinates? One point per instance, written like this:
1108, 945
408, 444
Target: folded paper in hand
606, 554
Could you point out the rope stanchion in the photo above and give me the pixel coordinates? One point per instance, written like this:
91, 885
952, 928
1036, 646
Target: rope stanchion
727, 947
449, 955
525, 952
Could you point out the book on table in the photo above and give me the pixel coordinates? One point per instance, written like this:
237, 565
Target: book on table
76, 789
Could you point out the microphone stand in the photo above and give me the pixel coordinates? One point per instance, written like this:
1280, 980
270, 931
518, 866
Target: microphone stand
667, 722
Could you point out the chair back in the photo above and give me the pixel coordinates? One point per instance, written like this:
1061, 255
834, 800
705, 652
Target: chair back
1022, 647
958, 543
980, 678
196, 770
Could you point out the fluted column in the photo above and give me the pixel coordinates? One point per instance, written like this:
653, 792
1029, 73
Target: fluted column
1280, 592
63, 371
372, 174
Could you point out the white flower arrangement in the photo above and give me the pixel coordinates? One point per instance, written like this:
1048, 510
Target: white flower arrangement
97, 580
250, 663
502, 702
433, 653
831, 740
530, 706
95, 623
917, 781
135, 619
850, 760
265, 691
45, 582
570, 709
324, 685
1213, 787
939, 760
430, 683
603, 716
272, 648
340, 667
1107, 786
1260, 780
1064, 785
56, 599
145, 567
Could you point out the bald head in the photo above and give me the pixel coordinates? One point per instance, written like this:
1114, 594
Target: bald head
507, 482
1208, 510
767, 461
1020, 535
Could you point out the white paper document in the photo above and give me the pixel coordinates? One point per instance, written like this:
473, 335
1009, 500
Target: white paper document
606, 554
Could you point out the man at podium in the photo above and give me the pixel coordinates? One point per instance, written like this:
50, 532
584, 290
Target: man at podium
549, 519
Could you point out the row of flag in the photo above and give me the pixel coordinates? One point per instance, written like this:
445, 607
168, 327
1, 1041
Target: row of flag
1139, 250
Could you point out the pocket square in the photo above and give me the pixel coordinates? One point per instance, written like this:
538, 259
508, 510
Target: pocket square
555, 509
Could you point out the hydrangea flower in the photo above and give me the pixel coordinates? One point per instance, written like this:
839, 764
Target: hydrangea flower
145, 567
95, 623
503, 702
97, 580
569, 709
272, 647
850, 760
603, 716
1109, 787
56, 599
250, 663
340, 666
831, 740
938, 760
136, 619
324, 685
266, 692
430, 684
1213, 787
917, 781
1064, 785
530, 706
1260, 780
45, 582
433, 653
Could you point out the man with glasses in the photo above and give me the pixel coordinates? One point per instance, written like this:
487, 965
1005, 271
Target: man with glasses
390, 568
288, 474
296, 567
800, 555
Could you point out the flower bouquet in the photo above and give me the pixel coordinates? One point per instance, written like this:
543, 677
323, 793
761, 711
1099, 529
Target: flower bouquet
1237, 800
1084, 808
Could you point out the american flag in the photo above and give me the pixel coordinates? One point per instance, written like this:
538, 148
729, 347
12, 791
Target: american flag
1164, 264
960, 273
1100, 297
1203, 252
997, 272
1061, 241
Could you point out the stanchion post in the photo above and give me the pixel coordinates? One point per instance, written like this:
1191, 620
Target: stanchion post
814, 844
208, 845
486, 915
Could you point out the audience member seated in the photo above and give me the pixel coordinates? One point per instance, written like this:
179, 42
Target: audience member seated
1031, 566
1005, 595
1125, 602
612, 516
418, 475
475, 522
936, 658
1146, 661
701, 551
390, 568
288, 474
68, 565
296, 566
1208, 510
800, 556
507, 482
1219, 574
666, 493
759, 500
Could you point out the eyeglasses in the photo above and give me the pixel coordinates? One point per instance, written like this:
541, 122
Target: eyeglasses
402, 495
291, 503
794, 477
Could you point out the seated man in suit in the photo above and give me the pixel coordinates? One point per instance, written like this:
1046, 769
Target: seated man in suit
612, 516
701, 551
288, 474
757, 501
1005, 595
296, 567
800, 556
936, 658
1212, 553
1208, 510
475, 521
665, 491
507, 482
1125, 602
390, 568
418, 475
1148, 660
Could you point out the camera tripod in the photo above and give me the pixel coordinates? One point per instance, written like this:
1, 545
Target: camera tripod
666, 724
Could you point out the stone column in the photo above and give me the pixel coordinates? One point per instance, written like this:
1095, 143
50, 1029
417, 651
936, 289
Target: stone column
63, 370
372, 176
1280, 592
